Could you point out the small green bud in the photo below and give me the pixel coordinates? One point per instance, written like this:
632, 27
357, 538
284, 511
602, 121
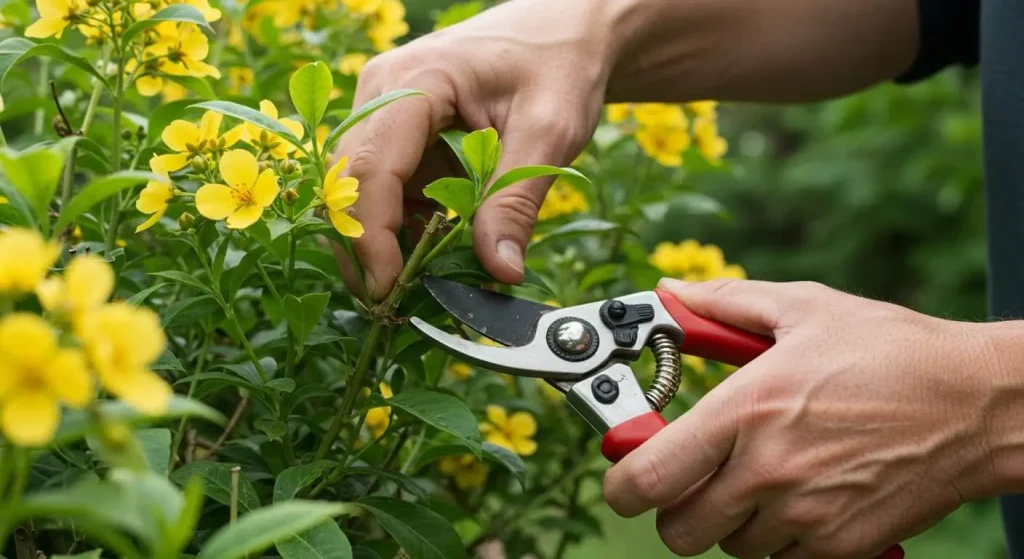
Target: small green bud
186, 221
290, 167
200, 163
140, 133
265, 164
290, 196
126, 135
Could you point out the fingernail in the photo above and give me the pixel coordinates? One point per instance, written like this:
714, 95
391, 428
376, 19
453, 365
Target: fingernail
671, 283
511, 254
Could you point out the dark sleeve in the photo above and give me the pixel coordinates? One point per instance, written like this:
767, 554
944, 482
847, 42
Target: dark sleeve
949, 35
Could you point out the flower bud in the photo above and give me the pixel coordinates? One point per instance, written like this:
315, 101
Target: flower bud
116, 435
200, 163
140, 133
290, 196
290, 167
265, 164
126, 135
75, 236
186, 221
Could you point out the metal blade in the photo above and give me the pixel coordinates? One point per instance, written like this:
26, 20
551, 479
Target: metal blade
502, 318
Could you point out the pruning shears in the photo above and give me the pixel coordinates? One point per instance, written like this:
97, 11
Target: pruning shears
584, 351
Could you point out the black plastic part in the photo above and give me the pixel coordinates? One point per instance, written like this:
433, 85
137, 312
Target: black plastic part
605, 389
623, 320
595, 340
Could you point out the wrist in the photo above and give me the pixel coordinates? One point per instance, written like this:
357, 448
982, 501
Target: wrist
1001, 366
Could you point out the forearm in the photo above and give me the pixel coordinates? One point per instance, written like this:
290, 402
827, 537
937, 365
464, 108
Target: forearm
1002, 369
758, 50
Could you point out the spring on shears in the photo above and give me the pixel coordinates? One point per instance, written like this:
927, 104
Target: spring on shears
667, 371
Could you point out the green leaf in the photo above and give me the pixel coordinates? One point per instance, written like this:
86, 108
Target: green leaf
200, 86
216, 478
453, 137
175, 12
99, 190
281, 384
156, 446
421, 532
188, 310
443, 411
310, 88
462, 264
140, 297
366, 110
457, 13
16, 50
260, 529
34, 173
260, 232
454, 193
324, 541
293, 480
94, 554
304, 312
17, 211
483, 153
581, 227
491, 452
273, 428
532, 172
76, 423
252, 116
184, 278
220, 378
399, 478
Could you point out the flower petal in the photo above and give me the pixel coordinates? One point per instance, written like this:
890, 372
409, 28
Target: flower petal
179, 134
29, 417
496, 438
149, 222
522, 424
90, 281
239, 168
335, 171
339, 201
345, 224
266, 189
51, 293
149, 86
232, 136
497, 416
154, 197
215, 201
46, 27
26, 341
141, 389
172, 161
293, 126
244, 216
524, 447
209, 125
67, 376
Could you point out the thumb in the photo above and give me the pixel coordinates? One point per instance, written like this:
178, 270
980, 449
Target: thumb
504, 223
754, 306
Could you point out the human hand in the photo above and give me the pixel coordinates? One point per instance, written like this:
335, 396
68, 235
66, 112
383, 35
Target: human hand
865, 424
534, 70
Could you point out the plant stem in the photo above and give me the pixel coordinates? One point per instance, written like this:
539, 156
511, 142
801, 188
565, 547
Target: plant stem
235, 475
20, 461
455, 232
183, 424
414, 452
270, 285
382, 315
44, 79
115, 216
245, 343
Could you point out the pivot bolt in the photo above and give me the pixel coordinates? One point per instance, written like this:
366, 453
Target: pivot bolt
573, 337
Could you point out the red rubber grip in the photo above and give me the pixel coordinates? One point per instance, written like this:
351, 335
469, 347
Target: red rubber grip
627, 437
712, 340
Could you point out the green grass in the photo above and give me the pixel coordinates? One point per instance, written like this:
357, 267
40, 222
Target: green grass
973, 532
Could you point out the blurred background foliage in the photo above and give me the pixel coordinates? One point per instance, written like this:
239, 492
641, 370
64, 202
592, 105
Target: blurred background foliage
878, 193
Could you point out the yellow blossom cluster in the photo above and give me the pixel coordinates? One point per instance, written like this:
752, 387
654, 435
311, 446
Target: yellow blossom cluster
692, 261
467, 470
665, 132
513, 432
82, 341
378, 419
562, 199
383, 21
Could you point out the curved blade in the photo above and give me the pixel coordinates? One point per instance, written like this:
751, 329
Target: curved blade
502, 318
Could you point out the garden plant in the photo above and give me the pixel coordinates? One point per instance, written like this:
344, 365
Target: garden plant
182, 371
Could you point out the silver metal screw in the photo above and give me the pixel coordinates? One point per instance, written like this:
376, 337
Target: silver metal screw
573, 337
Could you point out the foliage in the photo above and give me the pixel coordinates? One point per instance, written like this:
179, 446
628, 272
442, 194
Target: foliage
182, 372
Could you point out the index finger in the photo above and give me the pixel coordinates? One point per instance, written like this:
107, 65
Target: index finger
384, 152
677, 458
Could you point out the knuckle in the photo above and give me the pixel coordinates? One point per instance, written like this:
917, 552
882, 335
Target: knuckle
365, 159
558, 124
647, 478
517, 207
801, 517
678, 539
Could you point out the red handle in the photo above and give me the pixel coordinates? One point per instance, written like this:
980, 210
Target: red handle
628, 436
712, 340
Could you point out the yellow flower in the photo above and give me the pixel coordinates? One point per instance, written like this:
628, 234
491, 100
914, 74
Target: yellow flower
3, 199
122, 340
460, 370
209, 12
711, 145
691, 261
269, 142
353, 64
734, 271
321, 136
25, 258
664, 144
467, 471
155, 198
514, 433
178, 50
378, 419
703, 109
239, 79
173, 91
362, 7
87, 283
35, 376
248, 191
188, 140
120, 243
618, 112
562, 199
339, 194
54, 17
659, 115
387, 24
